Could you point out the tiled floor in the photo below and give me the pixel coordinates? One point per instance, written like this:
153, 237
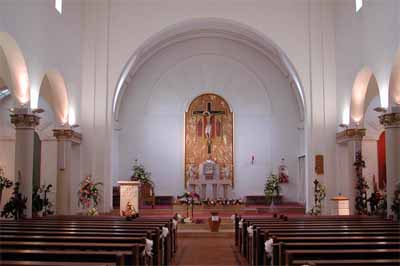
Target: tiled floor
198, 250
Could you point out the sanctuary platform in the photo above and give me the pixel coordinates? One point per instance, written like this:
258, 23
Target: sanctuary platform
225, 212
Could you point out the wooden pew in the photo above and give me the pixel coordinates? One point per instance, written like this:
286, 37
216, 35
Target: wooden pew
332, 254
89, 230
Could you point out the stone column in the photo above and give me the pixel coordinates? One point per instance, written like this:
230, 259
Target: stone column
352, 138
25, 123
65, 138
391, 122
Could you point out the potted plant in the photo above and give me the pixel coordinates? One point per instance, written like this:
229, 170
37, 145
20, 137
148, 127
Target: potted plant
16, 206
140, 173
396, 202
41, 205
319, 196
214, 222
272, 189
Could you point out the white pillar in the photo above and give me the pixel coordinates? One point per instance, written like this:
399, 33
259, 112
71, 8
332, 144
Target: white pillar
66, 137
25, 123
352, 138
391, 121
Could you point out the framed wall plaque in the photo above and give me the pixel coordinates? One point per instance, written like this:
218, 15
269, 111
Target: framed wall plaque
319, 164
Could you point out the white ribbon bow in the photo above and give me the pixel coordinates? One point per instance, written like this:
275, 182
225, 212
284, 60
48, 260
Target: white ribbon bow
214, 218
268, 246
241, 223
250, 230
174, 223
148, 248
164, 232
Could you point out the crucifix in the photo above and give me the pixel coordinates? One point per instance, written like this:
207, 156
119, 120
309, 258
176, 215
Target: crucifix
207, 114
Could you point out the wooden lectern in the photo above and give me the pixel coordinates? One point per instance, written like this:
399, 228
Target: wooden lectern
340, 205
129, 192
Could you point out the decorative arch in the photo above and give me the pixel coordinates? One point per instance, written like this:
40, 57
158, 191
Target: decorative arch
13, 69
54, 91
365, 88
205, 27
394, 84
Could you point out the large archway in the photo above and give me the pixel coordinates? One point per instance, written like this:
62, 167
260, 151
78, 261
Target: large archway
210, 56
13, 70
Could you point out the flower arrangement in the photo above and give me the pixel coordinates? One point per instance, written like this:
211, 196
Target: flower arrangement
42, 204
189, 197
319, 196
88, 193
272, 188
16, 206
396, 202
140, 173
92, 212
361, 186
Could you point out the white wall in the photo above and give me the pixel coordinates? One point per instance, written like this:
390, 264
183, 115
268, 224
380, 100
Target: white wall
265, 110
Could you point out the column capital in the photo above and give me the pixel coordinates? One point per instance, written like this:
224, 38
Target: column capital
24, 120
390, 120
67, 134
350, 134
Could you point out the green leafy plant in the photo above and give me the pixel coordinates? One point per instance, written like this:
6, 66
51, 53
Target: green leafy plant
272, 189
16, 206
140, 173
396, 202
40, 202
319, 196
361, 186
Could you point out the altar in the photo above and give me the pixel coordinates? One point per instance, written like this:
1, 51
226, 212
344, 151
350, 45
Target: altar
211, 182
209, 166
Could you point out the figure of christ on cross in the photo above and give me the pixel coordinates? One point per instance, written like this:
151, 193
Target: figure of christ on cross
208, 129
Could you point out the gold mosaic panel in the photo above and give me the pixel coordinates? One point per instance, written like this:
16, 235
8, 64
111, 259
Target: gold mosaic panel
196, 146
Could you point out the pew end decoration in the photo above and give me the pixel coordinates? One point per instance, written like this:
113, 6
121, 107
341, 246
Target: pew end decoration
41, 206
16, 206
4, 182
272, 189
319, 196
89, 195
361, 186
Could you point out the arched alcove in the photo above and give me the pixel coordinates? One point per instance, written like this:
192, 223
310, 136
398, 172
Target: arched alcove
209, 56
54, 91
365, 88
13, 70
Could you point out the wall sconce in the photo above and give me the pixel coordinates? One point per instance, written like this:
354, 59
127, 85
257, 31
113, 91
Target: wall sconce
252, 159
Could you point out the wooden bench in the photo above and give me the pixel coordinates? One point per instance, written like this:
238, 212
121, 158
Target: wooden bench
59, 234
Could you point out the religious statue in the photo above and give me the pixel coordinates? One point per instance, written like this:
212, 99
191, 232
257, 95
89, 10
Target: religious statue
209, 168
209, 128
283, 172
226, 172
